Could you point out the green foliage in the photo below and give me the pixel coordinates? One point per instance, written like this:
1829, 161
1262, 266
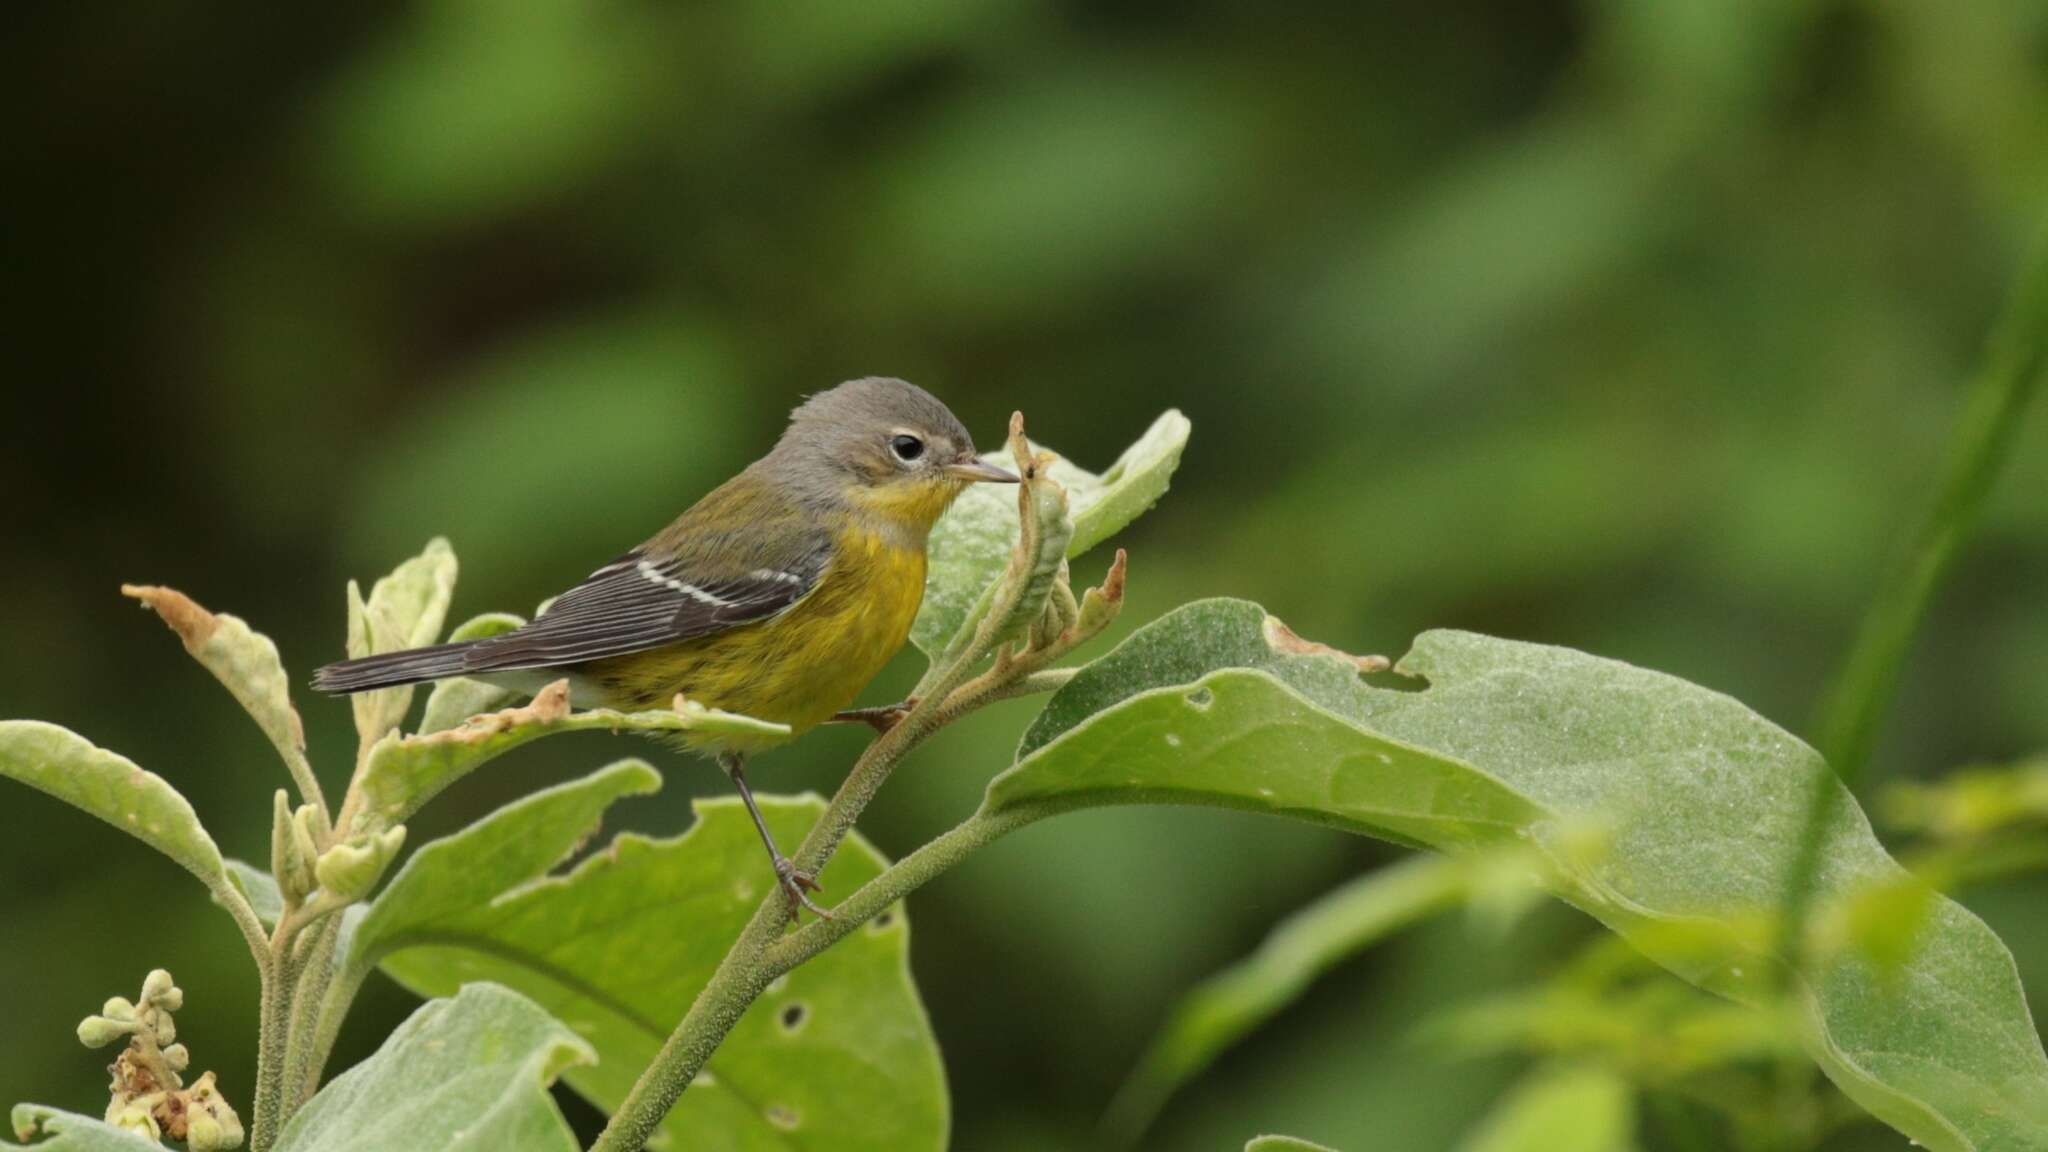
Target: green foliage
111, 787
1565, 1109
405, 610
469, 1072
1282, 1144
837, 1054
458, 698
404, 772
1697, 801
1229, 1005
971, 544
55, 1130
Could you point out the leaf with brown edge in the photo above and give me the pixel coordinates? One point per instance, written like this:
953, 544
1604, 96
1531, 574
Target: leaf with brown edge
243, 660
402, 773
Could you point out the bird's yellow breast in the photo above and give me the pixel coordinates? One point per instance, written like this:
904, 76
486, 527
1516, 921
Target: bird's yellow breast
797, 668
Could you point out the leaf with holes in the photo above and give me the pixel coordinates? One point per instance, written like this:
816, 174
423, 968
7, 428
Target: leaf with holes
1699, 804
838, 1054
973, 541
468, 1072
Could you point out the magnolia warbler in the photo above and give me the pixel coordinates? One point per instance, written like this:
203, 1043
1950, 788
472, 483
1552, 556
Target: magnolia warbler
779, 595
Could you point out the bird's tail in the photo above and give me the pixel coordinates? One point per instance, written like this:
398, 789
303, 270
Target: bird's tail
411, 666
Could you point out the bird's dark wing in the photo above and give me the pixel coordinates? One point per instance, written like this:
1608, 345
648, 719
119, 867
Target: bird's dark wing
635, 603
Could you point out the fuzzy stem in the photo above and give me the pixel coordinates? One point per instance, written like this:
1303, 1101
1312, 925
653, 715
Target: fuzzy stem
897, 881
272, 1039
303, 1057
334, 1005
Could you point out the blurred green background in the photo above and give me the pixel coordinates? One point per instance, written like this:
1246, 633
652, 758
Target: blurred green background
1633, 327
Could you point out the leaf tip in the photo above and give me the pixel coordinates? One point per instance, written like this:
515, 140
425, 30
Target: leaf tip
193, 624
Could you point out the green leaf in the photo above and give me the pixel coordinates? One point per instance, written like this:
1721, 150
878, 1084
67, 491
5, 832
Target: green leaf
457, 699
470, 1072
838, 1054
62, 1131
111, 787
404, 773
1229, 1005
243, 660
1700, 802
1561, 1110
259, 888
1283, 1144
405, 610
972, 543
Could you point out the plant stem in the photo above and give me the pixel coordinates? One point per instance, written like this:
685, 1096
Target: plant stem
271, 1040
897, 881
1846, 729
304, 1058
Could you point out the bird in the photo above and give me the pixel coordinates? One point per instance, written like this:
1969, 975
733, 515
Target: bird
779, 595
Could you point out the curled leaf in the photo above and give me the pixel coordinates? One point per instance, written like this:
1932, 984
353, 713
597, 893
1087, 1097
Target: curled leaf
974, 541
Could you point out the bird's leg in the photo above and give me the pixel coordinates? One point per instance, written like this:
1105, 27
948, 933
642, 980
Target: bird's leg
881, 719
793, 882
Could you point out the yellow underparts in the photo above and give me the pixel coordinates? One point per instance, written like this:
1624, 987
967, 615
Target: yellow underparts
797, 668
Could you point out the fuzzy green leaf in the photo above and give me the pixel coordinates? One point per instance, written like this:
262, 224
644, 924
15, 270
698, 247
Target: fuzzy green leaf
404, 773
243, 660
1700, 803
111, 787
1283, 1144
1561, 1110
972, 543
405, 610
55, 1130
470, 1072
838, 1054
457, 699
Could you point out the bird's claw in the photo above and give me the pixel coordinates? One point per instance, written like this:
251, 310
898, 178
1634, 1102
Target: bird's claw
795, 885
881, 719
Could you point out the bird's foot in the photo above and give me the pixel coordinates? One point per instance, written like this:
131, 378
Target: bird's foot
881, 719
795, 885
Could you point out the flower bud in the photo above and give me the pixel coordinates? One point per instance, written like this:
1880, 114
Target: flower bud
158, 988
98, 1031
177, 1057
352, 868
118, 1008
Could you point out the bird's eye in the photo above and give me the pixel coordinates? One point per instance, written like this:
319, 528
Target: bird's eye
907, 448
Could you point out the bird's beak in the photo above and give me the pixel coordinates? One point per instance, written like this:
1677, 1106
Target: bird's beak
972, 469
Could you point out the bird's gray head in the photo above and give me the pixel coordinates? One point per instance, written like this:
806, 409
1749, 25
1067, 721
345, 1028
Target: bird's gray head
885, 444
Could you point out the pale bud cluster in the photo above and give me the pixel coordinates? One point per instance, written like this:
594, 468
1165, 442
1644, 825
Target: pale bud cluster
148, 1095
